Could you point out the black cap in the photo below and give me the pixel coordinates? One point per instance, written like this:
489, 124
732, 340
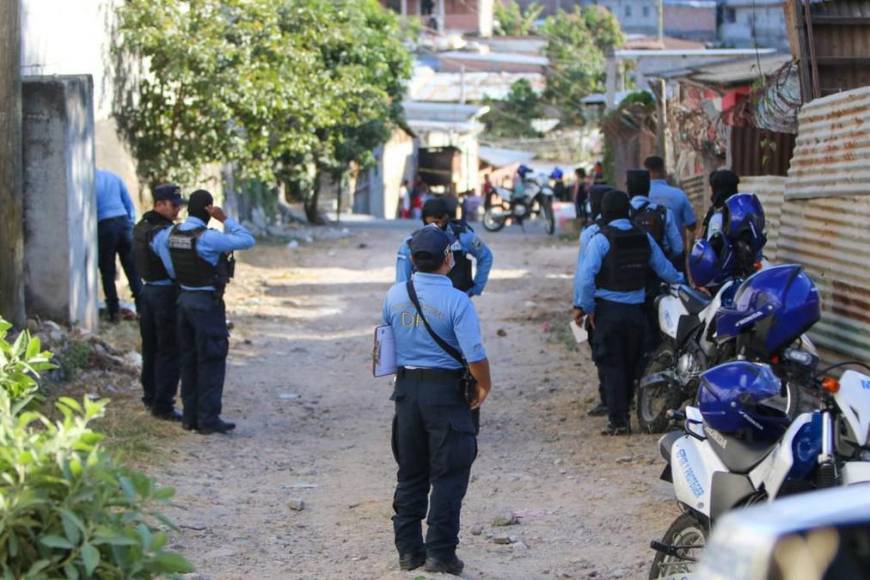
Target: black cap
429, 242
637, 182
614, 205
168, 192
435, 207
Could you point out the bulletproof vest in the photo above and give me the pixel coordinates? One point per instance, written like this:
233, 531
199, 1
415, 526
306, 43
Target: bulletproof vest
148, 264
192, 270
625, 268
461, 274
650, 220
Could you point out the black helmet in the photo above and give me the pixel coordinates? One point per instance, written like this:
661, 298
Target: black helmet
435, 207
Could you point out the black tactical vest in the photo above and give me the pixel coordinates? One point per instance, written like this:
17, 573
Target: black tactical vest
625, 268
148, 264
461, 275
190, 269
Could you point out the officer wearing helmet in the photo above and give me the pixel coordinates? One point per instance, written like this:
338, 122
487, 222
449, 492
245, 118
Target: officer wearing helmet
434, 434
463, 243
200, 260
157, 309
610, 289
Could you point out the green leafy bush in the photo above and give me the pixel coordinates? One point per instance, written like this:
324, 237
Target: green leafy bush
20, 363
67, 509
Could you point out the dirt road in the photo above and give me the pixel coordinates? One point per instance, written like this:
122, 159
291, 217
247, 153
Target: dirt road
314, 426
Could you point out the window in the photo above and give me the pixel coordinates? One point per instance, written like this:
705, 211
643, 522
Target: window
628, 11
730, 15
646, 11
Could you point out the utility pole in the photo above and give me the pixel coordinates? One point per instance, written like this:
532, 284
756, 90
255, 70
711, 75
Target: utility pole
11, 196
661, 22
462, 85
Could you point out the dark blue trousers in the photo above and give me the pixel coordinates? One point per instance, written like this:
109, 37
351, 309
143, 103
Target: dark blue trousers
158, 328
620, 333
203, 342
115, 237
434, 443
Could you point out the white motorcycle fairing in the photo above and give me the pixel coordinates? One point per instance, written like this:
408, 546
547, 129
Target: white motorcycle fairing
853, 399
771, 473
670, 309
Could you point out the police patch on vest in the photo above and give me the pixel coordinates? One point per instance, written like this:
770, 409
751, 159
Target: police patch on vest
181, 243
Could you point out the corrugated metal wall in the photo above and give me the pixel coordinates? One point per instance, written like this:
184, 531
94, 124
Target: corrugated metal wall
770, 190
696, 190
825, 222
841, 31
755, 151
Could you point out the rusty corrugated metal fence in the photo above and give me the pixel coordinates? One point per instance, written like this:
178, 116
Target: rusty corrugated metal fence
770, 190
825, 223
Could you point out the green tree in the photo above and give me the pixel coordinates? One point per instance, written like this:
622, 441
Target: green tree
272, 86
511, 20
512, 118
578, 43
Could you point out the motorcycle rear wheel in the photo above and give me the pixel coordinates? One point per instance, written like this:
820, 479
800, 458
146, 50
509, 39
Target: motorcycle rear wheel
689, 536
549, 216
656, 399
492, 222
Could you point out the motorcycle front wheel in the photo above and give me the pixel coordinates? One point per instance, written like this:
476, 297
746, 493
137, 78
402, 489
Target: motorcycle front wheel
492, 221
654, 400
687, 536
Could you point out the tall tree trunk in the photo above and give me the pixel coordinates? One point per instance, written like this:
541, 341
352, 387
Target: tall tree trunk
11, 195
312, 201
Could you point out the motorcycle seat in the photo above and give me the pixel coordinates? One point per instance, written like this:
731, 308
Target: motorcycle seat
693, 300
739, 456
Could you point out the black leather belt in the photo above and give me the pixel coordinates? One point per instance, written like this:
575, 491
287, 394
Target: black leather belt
429, 374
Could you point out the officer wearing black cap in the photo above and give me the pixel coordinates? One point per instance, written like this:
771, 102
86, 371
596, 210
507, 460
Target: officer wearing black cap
434, 431
463, 242
610, 289
157, 320
201, 261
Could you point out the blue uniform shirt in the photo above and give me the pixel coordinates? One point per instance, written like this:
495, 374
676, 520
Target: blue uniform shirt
589, 265
676, 200
210, 245
448, 311
673, 242
467, 242
113, 199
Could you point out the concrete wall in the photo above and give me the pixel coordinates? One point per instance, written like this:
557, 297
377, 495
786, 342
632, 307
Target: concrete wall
59, 204
74, 37
744, 23
380, 187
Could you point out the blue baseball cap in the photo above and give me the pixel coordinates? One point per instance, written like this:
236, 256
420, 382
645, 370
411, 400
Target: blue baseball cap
429, 242
168, 192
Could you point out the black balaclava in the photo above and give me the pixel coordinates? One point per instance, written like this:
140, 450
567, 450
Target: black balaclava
637, 182
199, 200
614, 206
724, 183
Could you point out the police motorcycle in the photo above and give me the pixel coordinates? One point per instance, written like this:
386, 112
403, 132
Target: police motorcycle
532, 197
738, 448
695, 339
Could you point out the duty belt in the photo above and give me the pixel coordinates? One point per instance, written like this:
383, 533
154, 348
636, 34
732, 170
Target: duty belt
429, 374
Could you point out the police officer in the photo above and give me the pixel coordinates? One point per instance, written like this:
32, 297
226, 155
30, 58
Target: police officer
202, 263
463, 241
610, 289
724, 184
157, 320
434, 434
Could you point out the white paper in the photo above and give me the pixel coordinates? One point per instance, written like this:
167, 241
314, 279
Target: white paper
384, 352
580, 334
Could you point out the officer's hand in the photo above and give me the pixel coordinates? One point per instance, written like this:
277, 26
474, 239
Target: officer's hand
578, 315
479, 397
216, 213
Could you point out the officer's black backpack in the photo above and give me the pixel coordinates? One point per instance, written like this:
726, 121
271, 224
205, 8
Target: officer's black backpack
651, 220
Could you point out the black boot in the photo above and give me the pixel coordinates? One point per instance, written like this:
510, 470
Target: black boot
412, 560
452, 565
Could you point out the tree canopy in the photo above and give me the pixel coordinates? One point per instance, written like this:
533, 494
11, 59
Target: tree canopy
577, 45
272, 86
512, 20
512, 118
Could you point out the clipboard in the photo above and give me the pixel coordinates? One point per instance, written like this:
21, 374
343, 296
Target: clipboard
384, 352
580, 334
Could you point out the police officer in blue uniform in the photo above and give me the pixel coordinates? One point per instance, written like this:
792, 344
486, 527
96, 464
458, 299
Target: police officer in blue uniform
463, 242
434, 432
610, 289
201, 261
656, 219
157, 319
